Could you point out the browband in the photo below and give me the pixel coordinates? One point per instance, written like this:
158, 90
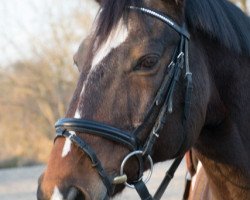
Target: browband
162, 17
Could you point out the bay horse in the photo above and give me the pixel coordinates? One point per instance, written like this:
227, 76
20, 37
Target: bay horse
157, 78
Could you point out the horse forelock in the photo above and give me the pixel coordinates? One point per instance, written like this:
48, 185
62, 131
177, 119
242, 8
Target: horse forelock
220, 20
110, 14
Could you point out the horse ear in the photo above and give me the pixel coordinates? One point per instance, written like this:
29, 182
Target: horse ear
98, 1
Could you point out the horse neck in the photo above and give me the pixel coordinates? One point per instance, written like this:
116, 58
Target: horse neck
224, 142
222, 182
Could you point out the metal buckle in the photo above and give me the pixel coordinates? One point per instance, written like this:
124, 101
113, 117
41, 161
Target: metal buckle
188, 74
155, 133
120, 179
181, 55
145, 180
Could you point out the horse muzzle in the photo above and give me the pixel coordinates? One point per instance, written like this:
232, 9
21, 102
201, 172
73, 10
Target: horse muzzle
72, 193
46, 191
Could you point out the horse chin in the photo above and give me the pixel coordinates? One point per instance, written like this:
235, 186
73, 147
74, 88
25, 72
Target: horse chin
94, 191
103, 195
78, 194
97, 193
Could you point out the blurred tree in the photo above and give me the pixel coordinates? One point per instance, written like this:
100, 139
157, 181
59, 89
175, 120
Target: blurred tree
35, 91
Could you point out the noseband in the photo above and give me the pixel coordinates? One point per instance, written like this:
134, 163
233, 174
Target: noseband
158, 111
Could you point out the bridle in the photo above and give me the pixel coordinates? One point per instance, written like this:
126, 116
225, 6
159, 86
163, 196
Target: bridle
161, 106
156, 115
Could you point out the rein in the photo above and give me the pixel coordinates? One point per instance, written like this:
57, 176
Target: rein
161, 107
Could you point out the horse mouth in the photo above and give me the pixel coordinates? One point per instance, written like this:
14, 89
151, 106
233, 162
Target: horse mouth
78, 194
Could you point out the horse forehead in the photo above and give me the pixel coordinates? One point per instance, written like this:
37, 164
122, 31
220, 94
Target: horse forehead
116, 38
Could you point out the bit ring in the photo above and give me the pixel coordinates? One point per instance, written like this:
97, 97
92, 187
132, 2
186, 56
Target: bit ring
145, 180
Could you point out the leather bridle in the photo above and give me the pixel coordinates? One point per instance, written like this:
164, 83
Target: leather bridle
158, 111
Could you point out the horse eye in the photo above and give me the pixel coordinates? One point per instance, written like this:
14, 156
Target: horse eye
147, 62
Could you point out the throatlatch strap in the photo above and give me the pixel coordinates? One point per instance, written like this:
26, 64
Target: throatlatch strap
169, 175
142, 190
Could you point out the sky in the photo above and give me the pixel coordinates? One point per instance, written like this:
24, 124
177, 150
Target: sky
19, 19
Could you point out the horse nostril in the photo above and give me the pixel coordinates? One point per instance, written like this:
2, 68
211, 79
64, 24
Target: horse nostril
76, 194
40, 194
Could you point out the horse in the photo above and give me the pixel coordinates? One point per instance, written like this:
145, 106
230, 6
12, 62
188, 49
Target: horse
156, 79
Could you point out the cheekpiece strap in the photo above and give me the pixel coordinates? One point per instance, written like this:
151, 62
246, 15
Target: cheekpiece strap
90, 153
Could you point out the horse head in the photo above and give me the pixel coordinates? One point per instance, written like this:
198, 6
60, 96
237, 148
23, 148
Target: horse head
133, 95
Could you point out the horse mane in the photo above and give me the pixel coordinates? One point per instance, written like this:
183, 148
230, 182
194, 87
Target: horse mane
220, 20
